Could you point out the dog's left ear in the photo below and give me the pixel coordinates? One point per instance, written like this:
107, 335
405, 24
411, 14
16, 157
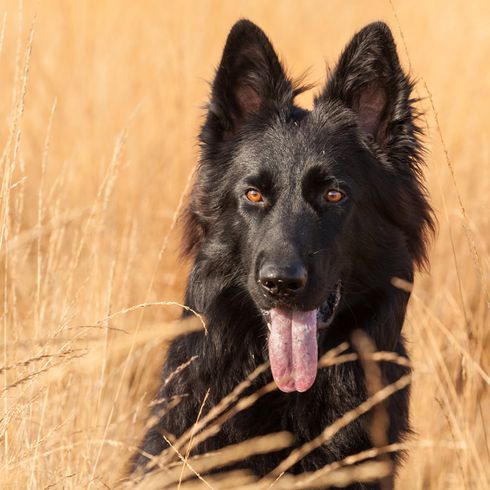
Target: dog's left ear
369, 80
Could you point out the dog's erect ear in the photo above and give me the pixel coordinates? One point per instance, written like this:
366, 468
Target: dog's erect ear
369, 80
249, 79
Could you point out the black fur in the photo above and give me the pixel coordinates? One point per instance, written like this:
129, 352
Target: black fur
362, 138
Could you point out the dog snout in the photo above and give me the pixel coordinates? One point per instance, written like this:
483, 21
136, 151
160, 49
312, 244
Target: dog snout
282, 281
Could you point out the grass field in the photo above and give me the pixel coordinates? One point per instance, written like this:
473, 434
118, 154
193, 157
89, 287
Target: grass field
99, 112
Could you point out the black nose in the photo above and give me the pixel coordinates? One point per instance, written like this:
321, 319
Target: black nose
282, 281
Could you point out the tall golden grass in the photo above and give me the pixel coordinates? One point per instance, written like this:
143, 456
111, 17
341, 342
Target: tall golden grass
100, 107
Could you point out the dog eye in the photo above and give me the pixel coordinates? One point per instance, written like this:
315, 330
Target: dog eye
253, 195
333, 195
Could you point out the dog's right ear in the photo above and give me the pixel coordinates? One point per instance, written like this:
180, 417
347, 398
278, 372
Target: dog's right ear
249, 79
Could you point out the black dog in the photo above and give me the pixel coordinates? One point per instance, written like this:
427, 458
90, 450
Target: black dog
297, 224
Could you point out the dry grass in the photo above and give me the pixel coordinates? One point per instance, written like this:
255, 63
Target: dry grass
100, 109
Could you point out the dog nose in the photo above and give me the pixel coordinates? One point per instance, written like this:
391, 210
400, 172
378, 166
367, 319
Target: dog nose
282, 281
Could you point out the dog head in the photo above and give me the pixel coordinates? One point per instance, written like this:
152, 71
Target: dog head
301, 207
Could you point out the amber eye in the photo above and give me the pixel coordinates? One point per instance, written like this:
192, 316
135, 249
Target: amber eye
253, 195
333, 195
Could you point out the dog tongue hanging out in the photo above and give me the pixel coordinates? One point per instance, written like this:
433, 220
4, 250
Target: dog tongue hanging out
293, 350
297, 223
293, 347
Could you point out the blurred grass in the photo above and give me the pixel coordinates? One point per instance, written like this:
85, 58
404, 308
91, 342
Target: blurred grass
98, 138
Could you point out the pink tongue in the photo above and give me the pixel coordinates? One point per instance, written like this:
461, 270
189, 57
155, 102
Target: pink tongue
293, 350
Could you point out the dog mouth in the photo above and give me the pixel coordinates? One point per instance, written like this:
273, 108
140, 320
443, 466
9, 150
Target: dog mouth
293, 342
